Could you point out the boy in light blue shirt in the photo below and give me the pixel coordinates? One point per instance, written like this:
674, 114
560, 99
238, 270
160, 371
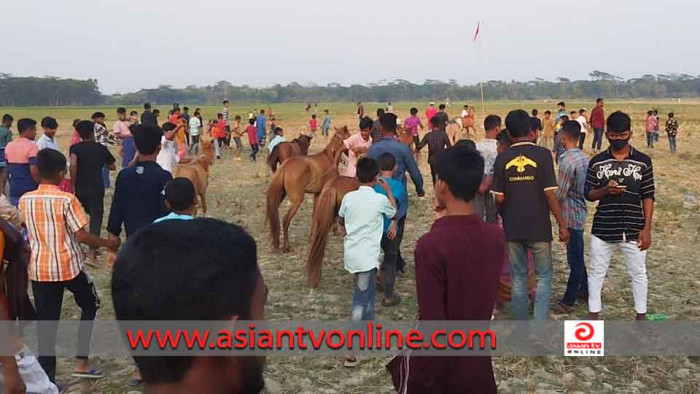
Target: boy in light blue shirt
180, 198
279, 137
326, 125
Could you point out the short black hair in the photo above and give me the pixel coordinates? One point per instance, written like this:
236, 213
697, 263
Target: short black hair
650, 112
86, 129
441, 106
75, 123
492, 121
535, 124
7, 118
97, 114
121, 110
670, 114
572, 129
380, 112
49, 123
277, 130
561, 103
535, 112
599, 99
503, 138
547, 112
134, 113
147, 106
154, 278
388, 122
462, 169
366, 123
564, 118
238, 117
466, 144
156, 111
224, 102
518, 123
50, 163
573, 113
435, 121
386, 161
147, 138
367, 169
185, 109
582, 111
618, 122
414, 111
251, 121
167, 126
180, 193
219, 115
25, 124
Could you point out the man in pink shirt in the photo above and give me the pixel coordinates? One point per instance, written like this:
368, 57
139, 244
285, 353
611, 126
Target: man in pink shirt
430, 112
355, 146
123, 134
649, 127
414, 123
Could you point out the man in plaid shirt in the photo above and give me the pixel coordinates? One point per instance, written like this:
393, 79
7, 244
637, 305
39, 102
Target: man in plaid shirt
104, 137
571, 179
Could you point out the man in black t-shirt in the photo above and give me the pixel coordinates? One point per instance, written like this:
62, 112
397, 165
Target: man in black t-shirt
87, 158
525, 186
621, 179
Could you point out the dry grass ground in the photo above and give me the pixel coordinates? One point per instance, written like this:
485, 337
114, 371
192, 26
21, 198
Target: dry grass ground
237, 193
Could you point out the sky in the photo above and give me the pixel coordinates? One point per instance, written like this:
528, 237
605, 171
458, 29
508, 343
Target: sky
128, 45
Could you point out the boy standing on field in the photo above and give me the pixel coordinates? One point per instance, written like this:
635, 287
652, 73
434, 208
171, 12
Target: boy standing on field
47, 140
252, 138
571, 179
437, 141
326, 126
56, 225
672, 131
237, 133
488, 148
122, 130
548, 130
21, 160
362, 213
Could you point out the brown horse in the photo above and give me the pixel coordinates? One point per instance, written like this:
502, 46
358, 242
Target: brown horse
324, 216
284, 150
296, 177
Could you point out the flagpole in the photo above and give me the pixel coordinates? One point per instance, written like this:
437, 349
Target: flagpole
481, 82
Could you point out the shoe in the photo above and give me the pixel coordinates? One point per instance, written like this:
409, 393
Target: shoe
395, 300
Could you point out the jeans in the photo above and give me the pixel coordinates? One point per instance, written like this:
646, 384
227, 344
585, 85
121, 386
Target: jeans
92, 201
650, 140
597, 139
672, 143
254, 153
578, 277
129, 152
542, 254
635, 259
48, 299
194, 146
105, 177
391, 251
486, 207
581, 140
363, 297
400, 227
217, 148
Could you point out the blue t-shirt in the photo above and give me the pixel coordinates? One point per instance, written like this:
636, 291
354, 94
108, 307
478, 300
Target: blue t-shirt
399, 192
260, 122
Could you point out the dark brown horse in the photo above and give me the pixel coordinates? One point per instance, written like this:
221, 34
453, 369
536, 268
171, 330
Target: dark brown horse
324, 216
284, 150
296, 177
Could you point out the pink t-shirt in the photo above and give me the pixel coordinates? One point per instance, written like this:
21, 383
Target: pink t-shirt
121, 129
313, 124
75, 138
355, 141
413, 122
650, 124
429, 113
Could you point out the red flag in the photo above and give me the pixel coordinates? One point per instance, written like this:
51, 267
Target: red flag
476, 33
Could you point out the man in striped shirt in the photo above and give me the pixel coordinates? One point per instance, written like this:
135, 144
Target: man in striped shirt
571, 178
56, 225
621, 179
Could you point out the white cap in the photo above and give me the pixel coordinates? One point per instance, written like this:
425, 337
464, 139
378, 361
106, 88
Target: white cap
432, 103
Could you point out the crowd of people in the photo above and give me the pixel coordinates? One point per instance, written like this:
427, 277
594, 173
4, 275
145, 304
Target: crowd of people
493, 203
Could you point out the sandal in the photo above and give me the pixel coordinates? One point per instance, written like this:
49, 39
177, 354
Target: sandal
561, 308
93, 373
350, 362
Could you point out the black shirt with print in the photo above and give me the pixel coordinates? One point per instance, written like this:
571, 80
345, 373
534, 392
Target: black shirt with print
620, 218
523, 173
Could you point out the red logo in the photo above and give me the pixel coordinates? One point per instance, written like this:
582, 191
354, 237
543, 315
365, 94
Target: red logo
584, 331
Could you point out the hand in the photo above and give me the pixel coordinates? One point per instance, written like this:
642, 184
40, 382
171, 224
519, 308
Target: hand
644, 239
384, 185
113, 243
391, 234
13, 381
564, 235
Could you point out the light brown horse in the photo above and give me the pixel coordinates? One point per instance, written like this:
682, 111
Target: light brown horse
284, 150
323, 218
296, 177
453, 131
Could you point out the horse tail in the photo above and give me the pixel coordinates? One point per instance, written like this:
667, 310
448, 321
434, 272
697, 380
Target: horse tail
274, 195
321, 221
273, 158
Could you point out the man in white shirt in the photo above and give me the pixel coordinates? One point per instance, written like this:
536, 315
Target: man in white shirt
168, 157
581, 119
362, 212
195, 127
488, 148
47, 139
465, 111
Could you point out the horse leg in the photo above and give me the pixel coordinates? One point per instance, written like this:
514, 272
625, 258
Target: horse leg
296, 203
203, 196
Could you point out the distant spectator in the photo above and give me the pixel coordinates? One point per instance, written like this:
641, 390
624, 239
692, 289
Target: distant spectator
123, 133
21, 160
672, 131
148, 118
47, 139
598, 124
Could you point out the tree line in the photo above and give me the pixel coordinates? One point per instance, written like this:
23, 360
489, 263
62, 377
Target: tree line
52, 91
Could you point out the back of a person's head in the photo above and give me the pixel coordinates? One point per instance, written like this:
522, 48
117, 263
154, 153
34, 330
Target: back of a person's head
462, 169
367, 169
670, 114
492, 122
441, 106
86, 129
251, 121
534, 124
564, 118
366, 123
535, 112
25, 124
158, 275
572, 129
49, 123
503, 138
387, 162
414, 111
518, 123
277, 130
434, 121
7, 118
225, 102
547, 112
388, 122
50, 163
618, 122
97, 115
380, 112
469, 144
147, 106
147, 138
180, 194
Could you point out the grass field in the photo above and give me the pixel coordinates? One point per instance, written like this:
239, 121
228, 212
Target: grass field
237, 193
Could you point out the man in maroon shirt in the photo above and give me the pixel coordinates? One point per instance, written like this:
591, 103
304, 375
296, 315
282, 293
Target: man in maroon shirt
598, 124
461, 247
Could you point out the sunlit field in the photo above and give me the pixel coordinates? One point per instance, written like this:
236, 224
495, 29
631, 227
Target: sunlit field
236, 194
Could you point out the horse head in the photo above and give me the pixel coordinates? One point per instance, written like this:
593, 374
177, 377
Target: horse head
207, 149
341, 134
